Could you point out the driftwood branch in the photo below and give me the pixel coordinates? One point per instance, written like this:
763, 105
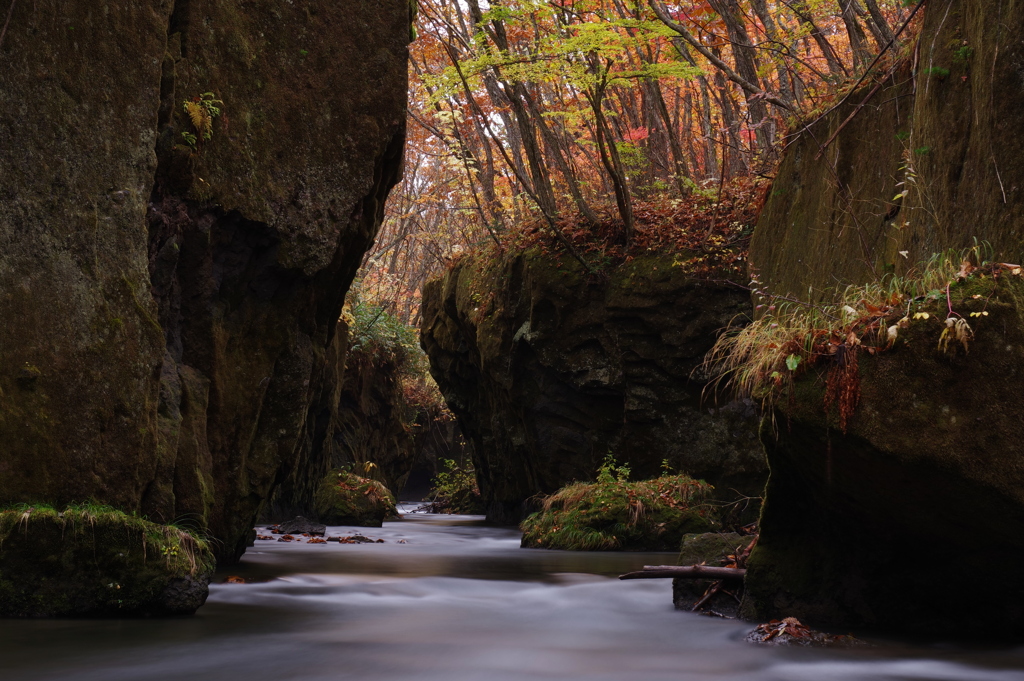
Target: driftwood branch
686, 572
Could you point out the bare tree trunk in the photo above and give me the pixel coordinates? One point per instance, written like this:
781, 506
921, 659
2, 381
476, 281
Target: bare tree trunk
555, 151
858, 41
609, 154
745, 58
771, 31
681, 169
803, 13
516, 94
881, 27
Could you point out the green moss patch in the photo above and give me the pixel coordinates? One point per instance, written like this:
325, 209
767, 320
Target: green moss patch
344, 498
615, 514
97, 561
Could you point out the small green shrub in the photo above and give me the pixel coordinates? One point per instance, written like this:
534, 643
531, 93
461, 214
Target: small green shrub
345, 498
375, 331
615, 514
455, 490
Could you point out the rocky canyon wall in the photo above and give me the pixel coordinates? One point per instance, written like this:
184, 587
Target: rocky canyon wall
549, 370
874, 526
170, 304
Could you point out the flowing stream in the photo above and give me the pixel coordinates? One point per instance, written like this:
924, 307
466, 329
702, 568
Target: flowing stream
458, 601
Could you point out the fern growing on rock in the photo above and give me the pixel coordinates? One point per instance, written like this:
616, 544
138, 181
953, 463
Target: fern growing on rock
201, 111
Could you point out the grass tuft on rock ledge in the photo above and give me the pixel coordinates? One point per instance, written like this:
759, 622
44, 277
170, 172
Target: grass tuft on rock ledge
95, 561
345, 498
614, 514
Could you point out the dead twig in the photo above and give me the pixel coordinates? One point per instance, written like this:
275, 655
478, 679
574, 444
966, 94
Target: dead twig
10, 13
708, 595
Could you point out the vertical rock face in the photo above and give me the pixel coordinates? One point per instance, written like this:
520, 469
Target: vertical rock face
80, 347
170, 307
944, 127
368, 421
549, 371
877, 527
374, 421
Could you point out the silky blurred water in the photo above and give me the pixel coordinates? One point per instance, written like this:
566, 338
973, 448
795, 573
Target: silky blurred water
457, 602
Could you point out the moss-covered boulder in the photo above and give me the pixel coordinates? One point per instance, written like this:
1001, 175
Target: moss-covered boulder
548, 369
614, 514
344, 498
710, 548
96, 561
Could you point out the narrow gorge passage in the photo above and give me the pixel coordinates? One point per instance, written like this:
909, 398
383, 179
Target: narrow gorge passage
457, 601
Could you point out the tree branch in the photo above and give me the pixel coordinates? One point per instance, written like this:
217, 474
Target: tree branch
750, 88
686, 572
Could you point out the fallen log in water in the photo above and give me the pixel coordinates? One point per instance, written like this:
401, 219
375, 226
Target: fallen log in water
686, 572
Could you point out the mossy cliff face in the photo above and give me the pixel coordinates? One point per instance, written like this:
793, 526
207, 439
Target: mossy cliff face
170, 312
894, 525
368, 428
362, 428
80, 346
945, 128
549, 370
371, 423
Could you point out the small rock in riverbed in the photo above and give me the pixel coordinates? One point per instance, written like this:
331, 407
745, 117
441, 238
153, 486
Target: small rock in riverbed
301, 525
791, 632
355, 539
